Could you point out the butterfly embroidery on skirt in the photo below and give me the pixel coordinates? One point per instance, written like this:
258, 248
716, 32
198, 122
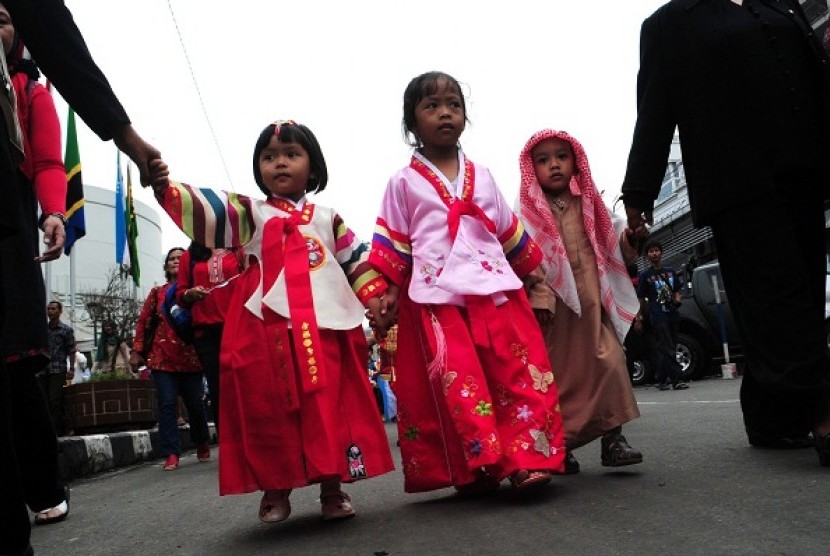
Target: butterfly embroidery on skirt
541, 444
541, 380
449, 377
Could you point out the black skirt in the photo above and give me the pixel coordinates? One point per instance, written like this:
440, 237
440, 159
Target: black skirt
24, 342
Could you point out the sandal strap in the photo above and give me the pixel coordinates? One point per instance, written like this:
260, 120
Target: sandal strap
339, 496
62, 508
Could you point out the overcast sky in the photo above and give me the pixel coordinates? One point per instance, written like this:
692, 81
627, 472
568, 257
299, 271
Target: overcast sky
341, 69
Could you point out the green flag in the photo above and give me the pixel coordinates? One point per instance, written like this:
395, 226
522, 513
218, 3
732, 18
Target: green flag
75, 223
132, 231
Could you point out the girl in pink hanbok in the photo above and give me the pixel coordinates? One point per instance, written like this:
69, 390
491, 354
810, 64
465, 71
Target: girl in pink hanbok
477, 401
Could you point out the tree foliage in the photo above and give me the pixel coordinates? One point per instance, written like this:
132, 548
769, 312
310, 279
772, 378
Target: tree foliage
116, 302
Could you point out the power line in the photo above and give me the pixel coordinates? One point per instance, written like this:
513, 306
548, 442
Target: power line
199, 94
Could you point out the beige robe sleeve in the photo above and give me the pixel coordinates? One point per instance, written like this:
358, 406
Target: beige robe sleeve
539, 293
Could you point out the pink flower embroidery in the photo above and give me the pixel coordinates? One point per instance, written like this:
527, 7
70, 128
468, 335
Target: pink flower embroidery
524, 413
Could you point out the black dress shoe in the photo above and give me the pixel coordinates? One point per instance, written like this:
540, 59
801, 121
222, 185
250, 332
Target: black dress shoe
571, 465
616, 452
28, 551
780, 442
823, 448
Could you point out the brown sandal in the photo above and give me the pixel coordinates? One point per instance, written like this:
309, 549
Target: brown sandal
524, 479
484, 483
274, 506
336, 505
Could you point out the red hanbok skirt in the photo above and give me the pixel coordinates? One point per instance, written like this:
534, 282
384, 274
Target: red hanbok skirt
493, 403
334, 432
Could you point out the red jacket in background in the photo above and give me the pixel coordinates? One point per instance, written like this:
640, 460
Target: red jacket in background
213, 275
168, 352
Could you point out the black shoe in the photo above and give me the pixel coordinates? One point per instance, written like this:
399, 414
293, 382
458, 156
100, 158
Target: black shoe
616, 452
28, 551
782, 442
823, 448
571, 465
663, 387
680, 386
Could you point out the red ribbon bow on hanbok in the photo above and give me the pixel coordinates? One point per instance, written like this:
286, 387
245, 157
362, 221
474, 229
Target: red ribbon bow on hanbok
292, 256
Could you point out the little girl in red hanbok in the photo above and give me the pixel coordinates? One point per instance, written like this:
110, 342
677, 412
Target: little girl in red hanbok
297, 407
477, 401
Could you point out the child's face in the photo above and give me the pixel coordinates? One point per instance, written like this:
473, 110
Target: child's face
654, 255
439, 118
553, 161
285, 168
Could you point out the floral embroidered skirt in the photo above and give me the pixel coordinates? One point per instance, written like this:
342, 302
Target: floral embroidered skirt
492, 403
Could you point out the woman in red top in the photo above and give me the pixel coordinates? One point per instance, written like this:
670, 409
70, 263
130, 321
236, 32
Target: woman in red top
205, 284
175, 370
24, 344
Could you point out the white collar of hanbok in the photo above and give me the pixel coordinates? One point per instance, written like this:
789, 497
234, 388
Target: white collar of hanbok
452, 186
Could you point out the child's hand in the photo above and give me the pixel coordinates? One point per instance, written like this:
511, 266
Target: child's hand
158, 175
389, 302
629, 245
543, 316
379, 320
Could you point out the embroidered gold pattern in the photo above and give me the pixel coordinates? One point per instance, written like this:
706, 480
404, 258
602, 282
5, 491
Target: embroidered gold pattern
435, 181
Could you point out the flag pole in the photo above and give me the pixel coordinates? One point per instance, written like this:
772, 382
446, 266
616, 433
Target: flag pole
72, 289
47, 280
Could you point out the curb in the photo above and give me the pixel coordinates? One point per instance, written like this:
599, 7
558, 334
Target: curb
84, 456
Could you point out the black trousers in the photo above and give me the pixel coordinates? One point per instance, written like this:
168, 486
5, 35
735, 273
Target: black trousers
52, 385
14, 534
207, 342
665, 351
35, 442
14, 519
772, 258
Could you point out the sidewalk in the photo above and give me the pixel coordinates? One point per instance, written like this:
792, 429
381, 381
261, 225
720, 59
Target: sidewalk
83, 456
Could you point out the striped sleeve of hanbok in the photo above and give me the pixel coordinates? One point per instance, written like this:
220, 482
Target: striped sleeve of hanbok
353, 256
391, 247
521, 251
211, 218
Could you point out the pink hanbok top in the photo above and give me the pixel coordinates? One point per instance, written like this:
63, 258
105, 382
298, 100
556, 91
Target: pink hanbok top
455, 239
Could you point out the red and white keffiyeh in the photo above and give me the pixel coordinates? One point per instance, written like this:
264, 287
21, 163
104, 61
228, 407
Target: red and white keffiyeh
616, 290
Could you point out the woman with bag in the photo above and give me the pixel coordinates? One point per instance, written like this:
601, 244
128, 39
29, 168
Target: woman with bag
205, 285
175, 370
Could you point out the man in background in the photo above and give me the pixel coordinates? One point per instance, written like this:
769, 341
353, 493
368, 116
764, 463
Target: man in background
54, 377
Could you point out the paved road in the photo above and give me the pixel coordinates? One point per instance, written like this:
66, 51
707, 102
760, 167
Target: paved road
701, 490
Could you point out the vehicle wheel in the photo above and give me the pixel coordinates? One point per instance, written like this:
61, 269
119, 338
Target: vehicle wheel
827, 334
640, 372
691, 356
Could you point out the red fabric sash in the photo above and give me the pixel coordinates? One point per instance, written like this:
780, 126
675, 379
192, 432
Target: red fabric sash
292, 256
477, 306
460, 208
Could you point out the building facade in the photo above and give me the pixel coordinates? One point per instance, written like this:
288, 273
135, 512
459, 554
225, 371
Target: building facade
683, 244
